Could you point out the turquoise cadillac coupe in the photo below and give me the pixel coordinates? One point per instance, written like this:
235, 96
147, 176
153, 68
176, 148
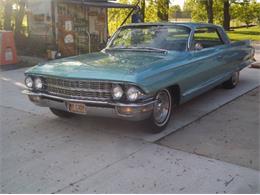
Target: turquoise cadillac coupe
145, 70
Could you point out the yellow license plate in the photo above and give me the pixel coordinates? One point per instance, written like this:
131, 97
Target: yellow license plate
77, 108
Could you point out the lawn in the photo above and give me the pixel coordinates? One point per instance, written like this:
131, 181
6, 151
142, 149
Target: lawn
251, 33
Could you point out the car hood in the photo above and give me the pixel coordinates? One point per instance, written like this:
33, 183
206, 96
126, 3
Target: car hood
113, 66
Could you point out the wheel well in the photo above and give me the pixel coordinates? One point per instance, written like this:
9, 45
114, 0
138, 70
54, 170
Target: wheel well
175, 90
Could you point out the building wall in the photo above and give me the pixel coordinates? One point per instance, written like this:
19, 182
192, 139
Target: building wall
67, 26
76, 23
40, 19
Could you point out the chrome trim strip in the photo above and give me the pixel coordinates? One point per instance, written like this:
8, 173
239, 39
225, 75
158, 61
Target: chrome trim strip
84, 80
78, 89
77, 97
26, 92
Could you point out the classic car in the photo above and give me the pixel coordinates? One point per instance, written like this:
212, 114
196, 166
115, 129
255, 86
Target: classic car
145, 71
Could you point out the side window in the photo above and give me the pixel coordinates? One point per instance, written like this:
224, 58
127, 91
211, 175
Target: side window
205, 38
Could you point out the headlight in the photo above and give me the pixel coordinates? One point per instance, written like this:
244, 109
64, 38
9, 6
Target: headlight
29, 82
38, 83
133, 94
117, 92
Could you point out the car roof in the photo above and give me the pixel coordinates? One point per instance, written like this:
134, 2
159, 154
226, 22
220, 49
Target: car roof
191, 25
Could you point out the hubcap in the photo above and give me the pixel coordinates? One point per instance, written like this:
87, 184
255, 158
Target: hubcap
235, 78
162, 108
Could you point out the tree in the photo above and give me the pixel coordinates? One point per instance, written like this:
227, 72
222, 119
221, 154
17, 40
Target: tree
143, 10
256, 12
197, 9
151, 12
8, 14
201, 10
14, 12
246, 12
174, 11
19, 17
227, 18
226, 10
2, 15
117, 16
163, 10
209, 8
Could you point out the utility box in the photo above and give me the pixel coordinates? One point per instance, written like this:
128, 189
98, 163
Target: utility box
7, 48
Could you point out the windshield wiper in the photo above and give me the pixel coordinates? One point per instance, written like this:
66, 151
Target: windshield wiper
146, 49
151, 49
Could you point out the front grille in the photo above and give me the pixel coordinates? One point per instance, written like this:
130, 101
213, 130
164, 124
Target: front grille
78, 89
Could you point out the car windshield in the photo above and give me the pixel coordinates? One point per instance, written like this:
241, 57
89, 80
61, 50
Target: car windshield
151, 38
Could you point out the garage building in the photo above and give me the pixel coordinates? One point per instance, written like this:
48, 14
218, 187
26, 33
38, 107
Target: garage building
71, 27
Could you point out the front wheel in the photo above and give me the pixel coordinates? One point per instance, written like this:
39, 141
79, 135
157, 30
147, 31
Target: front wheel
232, 82
162, 112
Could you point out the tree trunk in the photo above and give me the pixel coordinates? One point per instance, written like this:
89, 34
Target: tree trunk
163, 9
209, 8
19, 18
143, 10
8, 15
226, 21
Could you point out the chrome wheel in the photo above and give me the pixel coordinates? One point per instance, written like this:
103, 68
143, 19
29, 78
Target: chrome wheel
232, 82
162, 108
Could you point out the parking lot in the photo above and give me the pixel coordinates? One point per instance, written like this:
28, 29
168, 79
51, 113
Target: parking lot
210, 146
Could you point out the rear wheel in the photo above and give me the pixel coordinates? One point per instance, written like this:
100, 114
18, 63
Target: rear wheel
232, 82
61, 113
162, 111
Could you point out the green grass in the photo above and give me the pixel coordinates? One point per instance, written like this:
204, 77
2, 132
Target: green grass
239, 34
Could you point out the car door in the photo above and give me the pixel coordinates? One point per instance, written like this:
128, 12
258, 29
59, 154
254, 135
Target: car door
207, 63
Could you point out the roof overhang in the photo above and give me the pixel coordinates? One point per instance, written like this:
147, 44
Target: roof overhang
103, 4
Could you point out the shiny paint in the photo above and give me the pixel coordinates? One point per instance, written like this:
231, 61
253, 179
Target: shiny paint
194, 72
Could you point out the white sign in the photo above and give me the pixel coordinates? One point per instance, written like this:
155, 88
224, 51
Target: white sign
68, 25
69, 39
8, 54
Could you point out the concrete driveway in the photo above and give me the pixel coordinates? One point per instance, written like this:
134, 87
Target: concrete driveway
41, 153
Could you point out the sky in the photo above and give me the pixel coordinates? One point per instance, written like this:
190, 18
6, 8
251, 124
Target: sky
178, 2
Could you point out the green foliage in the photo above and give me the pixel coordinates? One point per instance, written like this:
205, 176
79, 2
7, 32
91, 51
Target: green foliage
256, 12
12, 14
218, 12
199, 13
244, 11
174, 11
163, 9
197, 9
117, 16
251, 33
1, 15
151, 12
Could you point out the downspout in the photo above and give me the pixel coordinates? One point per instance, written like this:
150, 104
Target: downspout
53, 18
89, 42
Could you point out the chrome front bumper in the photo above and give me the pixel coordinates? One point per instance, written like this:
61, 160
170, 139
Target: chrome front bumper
133, 112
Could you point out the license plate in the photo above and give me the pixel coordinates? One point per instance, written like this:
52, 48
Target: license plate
77, 108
